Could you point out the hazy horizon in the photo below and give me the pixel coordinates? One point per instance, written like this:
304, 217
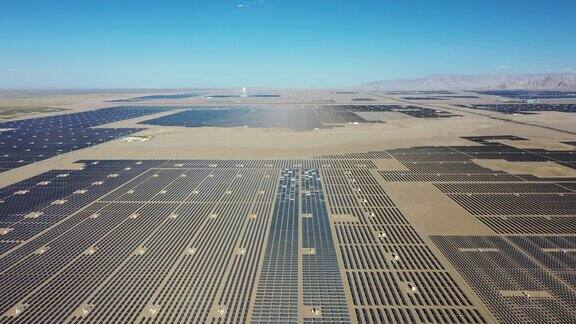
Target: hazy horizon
269, 43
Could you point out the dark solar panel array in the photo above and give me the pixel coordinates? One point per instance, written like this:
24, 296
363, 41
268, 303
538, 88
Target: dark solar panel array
423, 98
147, 231
485, 204
440, 97
527, 273
155, 97
524, 109
430, 92
323, 289
277, 293
530, 94
392, 274
259, 95
218, 241
31, 140
459, 97
22, 269
171, 210
517, 287
294, 117
505, 202
556, 253
217, 96
362, 99
487, 140
543, 225
191, 118
414, 111
53, 195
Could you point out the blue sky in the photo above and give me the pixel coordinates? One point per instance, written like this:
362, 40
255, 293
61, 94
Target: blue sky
289, 43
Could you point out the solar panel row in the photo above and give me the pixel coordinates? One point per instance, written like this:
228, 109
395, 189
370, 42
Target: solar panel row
295, 117
219, 241
524, 109
285, 240
530, 94
524, 274
27, 141
156, 97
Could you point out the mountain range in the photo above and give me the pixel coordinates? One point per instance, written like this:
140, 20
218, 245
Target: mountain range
549, 81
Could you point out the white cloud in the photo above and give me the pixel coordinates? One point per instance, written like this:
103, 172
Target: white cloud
247, 4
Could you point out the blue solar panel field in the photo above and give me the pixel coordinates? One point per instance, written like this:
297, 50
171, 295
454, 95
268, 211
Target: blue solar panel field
26, 141
399, 221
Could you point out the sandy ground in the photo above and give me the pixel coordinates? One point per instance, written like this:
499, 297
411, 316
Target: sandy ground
398, 130
539, 169
432, 212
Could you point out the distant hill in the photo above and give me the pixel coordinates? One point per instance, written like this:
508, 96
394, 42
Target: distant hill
552, 81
